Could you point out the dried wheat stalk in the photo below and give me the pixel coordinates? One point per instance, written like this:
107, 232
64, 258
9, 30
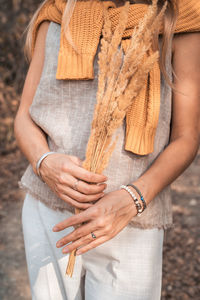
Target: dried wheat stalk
120, 80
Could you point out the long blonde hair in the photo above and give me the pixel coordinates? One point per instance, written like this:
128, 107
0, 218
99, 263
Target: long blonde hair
169, 25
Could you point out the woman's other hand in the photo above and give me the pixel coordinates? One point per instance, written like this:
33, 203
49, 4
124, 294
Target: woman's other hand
105, 219
60, 172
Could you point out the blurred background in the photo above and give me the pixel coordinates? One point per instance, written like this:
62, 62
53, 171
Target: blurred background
181, 257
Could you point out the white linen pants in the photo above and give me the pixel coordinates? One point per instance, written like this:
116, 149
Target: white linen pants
127, 267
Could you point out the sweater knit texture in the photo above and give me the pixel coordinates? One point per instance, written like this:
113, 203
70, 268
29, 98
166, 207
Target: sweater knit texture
64, 110
85, 27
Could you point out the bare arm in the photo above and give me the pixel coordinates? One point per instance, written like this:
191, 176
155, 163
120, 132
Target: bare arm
59, 171
30, 138
185, 129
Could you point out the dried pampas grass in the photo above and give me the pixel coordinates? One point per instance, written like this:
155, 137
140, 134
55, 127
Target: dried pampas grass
121, 78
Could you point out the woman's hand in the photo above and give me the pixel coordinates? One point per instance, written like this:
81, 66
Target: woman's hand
105, 219
61, 171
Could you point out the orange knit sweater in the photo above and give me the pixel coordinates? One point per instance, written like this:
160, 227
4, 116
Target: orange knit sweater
85, 26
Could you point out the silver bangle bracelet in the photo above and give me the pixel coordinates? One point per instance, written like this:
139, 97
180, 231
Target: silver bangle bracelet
136, 202
39, 162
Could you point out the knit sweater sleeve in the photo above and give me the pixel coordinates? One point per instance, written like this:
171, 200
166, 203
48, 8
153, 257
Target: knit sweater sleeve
142, 116
189, 16
85, 28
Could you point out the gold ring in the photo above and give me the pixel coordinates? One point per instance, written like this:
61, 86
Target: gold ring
75, 185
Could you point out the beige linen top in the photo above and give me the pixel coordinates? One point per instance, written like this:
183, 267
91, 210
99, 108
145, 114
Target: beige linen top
64, 110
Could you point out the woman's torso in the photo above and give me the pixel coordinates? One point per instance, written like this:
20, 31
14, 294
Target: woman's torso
64, 110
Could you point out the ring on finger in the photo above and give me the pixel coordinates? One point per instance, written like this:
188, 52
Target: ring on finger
93, 235
76, 185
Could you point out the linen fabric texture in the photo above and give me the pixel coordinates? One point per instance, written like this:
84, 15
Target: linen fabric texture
129, 266
63, 109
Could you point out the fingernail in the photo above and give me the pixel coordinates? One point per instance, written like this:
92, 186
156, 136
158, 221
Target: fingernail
104, 184
59, 244
65, 250
102, 195
55, 228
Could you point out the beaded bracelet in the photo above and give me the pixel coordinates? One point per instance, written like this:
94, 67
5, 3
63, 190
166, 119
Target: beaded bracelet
136, 202
39, 163
140, 194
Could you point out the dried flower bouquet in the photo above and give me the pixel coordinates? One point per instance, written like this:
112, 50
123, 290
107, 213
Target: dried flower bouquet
121, 78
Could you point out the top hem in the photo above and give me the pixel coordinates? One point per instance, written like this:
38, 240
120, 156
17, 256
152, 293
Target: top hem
51, 205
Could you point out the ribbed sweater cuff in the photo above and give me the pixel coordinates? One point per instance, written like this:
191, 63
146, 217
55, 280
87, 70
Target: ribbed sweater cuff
77, 67
140, 140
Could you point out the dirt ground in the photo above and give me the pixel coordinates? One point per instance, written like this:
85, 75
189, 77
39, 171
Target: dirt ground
181, 257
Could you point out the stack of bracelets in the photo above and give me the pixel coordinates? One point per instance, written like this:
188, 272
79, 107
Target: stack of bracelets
140, 208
